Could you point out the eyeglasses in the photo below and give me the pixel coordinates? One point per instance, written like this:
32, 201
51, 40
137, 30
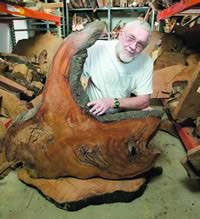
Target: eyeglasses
130, 39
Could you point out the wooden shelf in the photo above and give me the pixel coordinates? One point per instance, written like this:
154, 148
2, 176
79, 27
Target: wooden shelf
110, 8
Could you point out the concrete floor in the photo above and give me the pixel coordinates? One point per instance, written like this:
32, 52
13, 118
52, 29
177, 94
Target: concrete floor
169, 196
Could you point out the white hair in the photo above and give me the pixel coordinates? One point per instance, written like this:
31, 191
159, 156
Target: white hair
142, 23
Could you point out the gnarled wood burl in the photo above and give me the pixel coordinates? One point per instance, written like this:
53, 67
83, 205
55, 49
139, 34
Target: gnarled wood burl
59, 139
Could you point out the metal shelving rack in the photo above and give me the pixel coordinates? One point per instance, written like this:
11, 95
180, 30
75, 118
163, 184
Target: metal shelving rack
177, 8
109, 9
39, 21
105, 9
16, 10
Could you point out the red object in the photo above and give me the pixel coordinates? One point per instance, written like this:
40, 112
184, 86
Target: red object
21, 11
176, 8
7, 122
187, 139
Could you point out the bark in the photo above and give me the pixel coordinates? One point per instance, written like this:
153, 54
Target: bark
73, 194
59, 138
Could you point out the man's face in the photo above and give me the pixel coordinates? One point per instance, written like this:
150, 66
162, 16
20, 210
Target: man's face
132, 42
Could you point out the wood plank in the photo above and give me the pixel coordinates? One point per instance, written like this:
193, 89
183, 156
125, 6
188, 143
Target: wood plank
52, 5
163, 79
189, 102
14, 86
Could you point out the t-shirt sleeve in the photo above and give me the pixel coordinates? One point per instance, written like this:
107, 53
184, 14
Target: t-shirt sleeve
144, 80
92, 58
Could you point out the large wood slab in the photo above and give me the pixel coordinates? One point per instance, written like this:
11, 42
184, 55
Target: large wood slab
59, 138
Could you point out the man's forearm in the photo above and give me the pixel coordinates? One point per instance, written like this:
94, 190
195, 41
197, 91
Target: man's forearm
100, 106
139, 102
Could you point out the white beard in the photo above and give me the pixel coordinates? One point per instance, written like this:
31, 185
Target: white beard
122, 54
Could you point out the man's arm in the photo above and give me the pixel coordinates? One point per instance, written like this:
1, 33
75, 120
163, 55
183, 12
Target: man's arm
98, 107
138, 102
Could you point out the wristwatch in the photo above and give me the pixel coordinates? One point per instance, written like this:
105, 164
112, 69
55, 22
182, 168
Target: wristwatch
116, 103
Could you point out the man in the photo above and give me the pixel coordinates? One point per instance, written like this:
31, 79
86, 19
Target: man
118, 68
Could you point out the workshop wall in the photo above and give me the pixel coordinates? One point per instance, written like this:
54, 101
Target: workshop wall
5, 38
5, 35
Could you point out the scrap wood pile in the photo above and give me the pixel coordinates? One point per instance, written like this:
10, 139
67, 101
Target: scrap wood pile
23, 73
177, 74
177, 83
29, 73
21, 80
22, 77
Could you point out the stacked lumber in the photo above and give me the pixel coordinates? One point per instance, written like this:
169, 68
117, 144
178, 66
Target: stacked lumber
137, 3
23, 75
21, 80
82, 4
106, 3
23, 72
116, 30
80, 21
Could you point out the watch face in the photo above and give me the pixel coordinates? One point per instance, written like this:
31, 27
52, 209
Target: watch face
116, 103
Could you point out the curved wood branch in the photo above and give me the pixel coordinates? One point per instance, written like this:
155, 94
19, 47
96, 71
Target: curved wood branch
59, 139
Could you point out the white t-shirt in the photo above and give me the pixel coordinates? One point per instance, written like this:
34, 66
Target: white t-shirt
112, 78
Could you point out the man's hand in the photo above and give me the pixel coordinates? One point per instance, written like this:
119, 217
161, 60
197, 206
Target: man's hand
100, 106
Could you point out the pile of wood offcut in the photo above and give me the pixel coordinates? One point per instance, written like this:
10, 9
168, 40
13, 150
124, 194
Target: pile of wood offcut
176, 78
22, 77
